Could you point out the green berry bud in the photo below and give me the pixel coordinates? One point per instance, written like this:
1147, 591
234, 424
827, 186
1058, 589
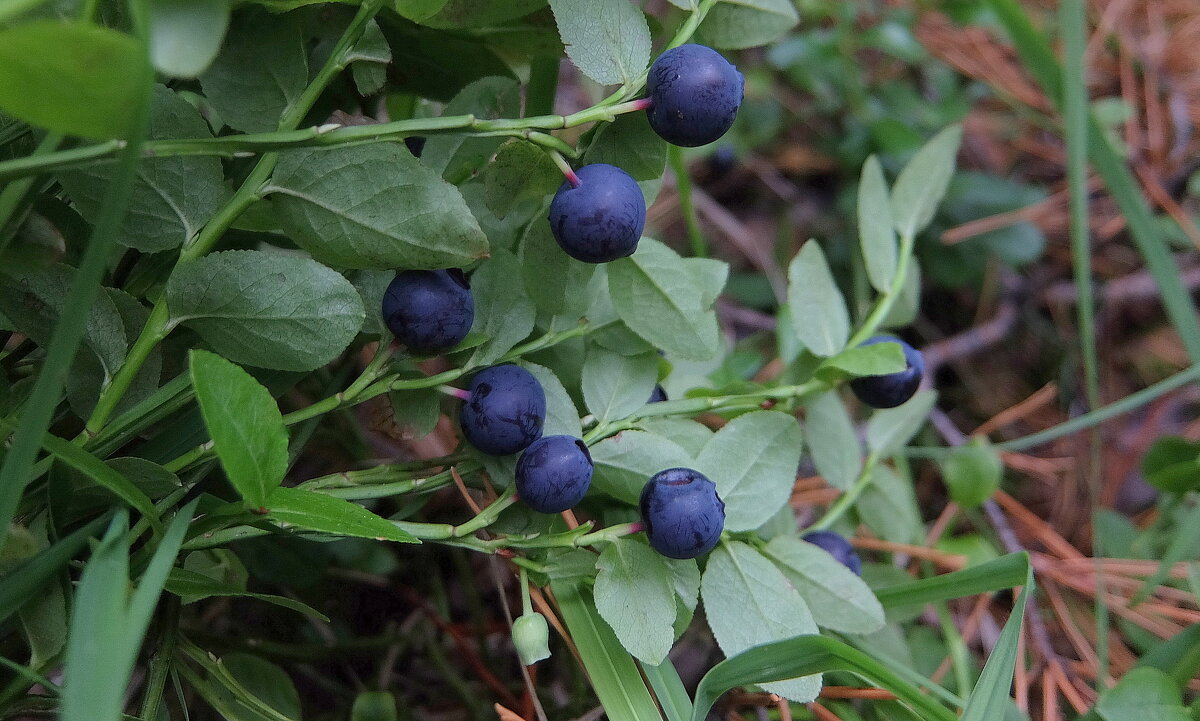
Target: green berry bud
531, 636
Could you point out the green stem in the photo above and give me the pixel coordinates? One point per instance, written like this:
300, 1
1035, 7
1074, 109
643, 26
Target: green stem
884, 304
160, 663
847, 499
683, 186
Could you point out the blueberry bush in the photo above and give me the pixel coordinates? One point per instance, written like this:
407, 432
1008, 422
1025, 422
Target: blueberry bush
228, 228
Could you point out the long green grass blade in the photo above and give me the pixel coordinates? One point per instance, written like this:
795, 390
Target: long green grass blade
1004, 572
24, 581
668, 687
96, 670
802, 656
15, 472
1040, 61
612, 671
990, 699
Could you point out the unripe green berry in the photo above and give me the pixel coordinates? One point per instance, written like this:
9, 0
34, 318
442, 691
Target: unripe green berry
531, 636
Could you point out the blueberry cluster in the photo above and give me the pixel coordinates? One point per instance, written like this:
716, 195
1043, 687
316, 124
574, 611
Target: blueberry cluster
693, 96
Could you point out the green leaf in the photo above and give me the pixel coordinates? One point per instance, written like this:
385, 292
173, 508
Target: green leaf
753, 461
374, 705
819, 316
923, 181
33, 301
521, 171
371, 286
972, 472
502, 312
904, 311
174, 196
806, 655
185, 35
314, 511
878, 359
710, 275
87, 376
608, 40
612, 672
875, 227
632, 145
1145, 694
264, 681
475, 14
839, 600
72, 78
21, 583
626, 461
656, 297
1172, 464
562, 418
687, 433
103, 474
245, 425
369, 60
266, 309
989, 699
833, 440
749, 602
889, 429
193, 586
44, 621
261, 70
457, 157
635, 596
416, 412
738, 24
889, 507
553, 279
374, 206
615, 385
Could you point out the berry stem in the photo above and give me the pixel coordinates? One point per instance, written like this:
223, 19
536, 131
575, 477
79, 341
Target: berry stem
847, 499
567, 171
610, 534
458, 393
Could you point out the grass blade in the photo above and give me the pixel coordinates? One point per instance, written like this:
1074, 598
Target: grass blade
668, 688
25, 580
990, 698
15, 472
1004, 572
613, 673
803, 656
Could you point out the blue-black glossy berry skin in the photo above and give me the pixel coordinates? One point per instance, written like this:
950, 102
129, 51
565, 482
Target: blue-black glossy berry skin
658, 395
429, 311
554, 473
505, 410
602, 218
694, 93
682, 513
838, 547
894, 389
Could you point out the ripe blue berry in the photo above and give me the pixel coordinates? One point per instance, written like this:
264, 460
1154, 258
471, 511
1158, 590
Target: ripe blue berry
694, 93
429, 311
682, 513
838, 547
658, 395
554, 473
894, 389
505, 410
602, 218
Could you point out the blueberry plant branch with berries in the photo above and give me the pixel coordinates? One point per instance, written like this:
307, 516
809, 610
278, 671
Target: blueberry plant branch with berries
455, 261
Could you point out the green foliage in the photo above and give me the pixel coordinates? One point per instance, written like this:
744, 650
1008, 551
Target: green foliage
259, 226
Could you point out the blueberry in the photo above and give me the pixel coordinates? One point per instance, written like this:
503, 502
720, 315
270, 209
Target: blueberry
429, 311
554, 473
658, 395
602, 218
682, 513
838, 547
505, 410
894, 389
694, 94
